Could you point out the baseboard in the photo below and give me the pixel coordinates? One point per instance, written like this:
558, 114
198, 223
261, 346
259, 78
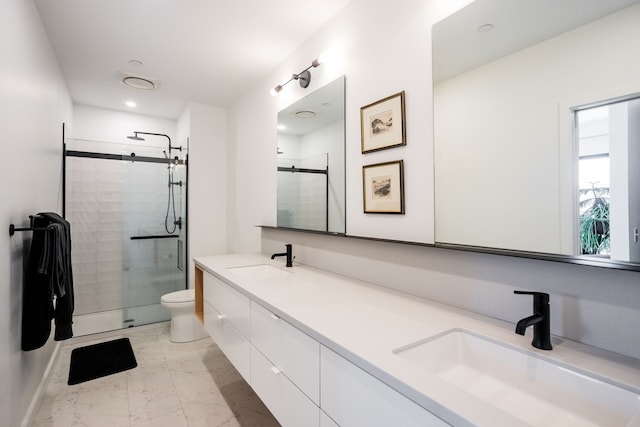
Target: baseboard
42, 387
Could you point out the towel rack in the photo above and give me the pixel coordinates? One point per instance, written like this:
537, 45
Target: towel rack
13, 228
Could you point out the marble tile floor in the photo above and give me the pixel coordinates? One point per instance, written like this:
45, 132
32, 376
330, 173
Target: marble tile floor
174, 385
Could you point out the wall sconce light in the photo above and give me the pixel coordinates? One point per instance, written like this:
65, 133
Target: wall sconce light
304, 76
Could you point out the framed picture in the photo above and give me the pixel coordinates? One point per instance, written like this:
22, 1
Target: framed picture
383, 187
382, 124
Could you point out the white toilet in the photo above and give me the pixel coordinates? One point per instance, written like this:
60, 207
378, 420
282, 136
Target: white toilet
185, 326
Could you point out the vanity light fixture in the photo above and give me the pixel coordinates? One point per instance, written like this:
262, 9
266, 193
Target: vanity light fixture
304, 76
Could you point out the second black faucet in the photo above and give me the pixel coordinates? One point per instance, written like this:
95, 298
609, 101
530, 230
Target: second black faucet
288, 254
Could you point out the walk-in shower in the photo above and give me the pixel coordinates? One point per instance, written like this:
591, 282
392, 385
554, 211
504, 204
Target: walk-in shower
127, 203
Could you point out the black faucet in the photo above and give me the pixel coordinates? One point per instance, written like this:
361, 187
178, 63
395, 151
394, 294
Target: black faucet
288, 254
541, 320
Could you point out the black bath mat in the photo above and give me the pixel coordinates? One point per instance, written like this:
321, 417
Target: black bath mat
99, 360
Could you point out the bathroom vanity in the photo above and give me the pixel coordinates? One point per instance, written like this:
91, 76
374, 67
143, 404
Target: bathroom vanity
325, 350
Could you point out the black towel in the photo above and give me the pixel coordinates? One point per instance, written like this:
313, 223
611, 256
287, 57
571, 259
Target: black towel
49, 276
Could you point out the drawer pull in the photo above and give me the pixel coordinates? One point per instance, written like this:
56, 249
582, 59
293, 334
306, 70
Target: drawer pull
221, 316
275, 370
274, 317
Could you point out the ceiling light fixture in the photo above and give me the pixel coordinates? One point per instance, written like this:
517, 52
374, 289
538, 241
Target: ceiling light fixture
305, 114
138, 83
130, 104
485, 28
304, 76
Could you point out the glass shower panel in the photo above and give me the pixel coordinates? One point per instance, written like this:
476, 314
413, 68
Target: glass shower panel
128, 231
94, 189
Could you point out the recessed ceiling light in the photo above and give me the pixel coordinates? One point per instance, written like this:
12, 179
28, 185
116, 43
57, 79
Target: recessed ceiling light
305, 114
281, 127
485, 28
130, 104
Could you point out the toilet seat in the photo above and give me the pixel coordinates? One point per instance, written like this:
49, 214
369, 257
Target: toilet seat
186, 295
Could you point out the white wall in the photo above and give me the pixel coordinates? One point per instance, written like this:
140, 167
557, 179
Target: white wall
512, 128
383, 49
329, 140
289, 145
104, 125
206, 128
34, 102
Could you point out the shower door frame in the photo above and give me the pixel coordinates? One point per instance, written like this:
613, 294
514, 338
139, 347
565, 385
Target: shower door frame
132, 158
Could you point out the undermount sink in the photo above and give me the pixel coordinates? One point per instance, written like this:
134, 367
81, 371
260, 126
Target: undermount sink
539, 391
259, 271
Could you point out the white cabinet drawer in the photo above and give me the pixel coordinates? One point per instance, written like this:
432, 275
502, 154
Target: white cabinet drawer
353, 398
236, 347
228, 302
293, 352
285, 401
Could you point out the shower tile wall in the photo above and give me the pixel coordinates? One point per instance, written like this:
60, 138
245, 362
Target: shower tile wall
107, 203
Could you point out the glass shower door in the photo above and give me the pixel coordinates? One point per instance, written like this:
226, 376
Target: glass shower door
153, 239
127, 208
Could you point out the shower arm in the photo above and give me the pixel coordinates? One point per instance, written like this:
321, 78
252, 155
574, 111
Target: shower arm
171, 147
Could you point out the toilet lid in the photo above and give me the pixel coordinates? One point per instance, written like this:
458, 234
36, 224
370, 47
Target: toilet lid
179, 296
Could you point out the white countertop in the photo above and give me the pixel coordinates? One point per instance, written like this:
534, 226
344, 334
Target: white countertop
364, 323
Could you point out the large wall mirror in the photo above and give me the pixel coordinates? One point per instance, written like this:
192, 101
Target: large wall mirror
311, 161
537, 129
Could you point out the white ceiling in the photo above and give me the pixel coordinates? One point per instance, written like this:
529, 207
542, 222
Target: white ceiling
458, 46
204, 51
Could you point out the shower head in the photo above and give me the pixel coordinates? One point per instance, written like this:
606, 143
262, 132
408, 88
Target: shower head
135, 137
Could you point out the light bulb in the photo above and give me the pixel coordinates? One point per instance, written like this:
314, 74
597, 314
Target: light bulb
276, 90
320, 59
